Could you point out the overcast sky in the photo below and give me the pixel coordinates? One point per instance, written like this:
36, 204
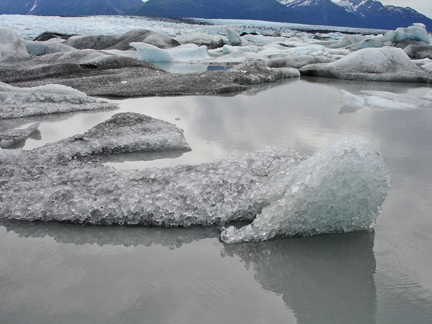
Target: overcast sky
422, 6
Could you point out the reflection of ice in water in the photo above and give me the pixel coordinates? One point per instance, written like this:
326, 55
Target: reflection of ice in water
323, 279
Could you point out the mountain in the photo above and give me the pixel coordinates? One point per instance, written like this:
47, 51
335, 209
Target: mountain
67, 7
325, 10
378, 15
270, 10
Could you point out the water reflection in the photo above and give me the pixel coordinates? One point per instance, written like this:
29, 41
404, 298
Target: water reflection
110, 235
323, 279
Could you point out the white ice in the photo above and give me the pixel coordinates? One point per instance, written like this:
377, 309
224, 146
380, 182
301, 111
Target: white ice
384, 99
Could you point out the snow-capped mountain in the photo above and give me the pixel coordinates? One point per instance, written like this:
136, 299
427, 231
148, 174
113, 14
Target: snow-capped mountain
372, 13
67, 7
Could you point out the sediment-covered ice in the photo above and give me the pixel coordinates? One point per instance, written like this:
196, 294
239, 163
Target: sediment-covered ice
183, 53
384, 99
419, 52
200, 39
42, 48
371, 64
121, 41
48, 99
338, 189
13, 136
122, 133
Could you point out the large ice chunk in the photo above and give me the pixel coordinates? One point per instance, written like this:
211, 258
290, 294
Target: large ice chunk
339, 189
183, 53
371, 64
122, 133
48, 99
233, 37
417, 32
12, 47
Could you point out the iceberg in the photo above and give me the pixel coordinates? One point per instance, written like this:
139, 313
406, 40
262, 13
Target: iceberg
284, 193
183, 53
48, 99
384, 99
371, 64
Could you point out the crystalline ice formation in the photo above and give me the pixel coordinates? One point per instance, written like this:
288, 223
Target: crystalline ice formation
13, 136
48, 99
338, 189
384, 99
371, 64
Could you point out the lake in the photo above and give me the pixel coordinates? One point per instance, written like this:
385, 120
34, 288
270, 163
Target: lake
63, 273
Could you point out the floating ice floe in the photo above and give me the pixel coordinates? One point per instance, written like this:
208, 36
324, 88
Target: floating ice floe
339, 189
48, 99
183, 53
13, 136
384, 99
371, 64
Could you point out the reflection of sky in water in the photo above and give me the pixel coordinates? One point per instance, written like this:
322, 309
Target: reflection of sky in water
112, 274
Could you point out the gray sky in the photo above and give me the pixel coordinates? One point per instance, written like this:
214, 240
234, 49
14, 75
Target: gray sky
422, 6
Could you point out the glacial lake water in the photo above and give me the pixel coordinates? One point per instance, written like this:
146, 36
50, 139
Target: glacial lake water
62, 273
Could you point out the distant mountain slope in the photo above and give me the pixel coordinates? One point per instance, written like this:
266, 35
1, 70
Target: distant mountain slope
325, 10
270, 10
378, 15
67, 7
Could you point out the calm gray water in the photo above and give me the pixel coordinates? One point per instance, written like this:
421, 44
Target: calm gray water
58, 273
